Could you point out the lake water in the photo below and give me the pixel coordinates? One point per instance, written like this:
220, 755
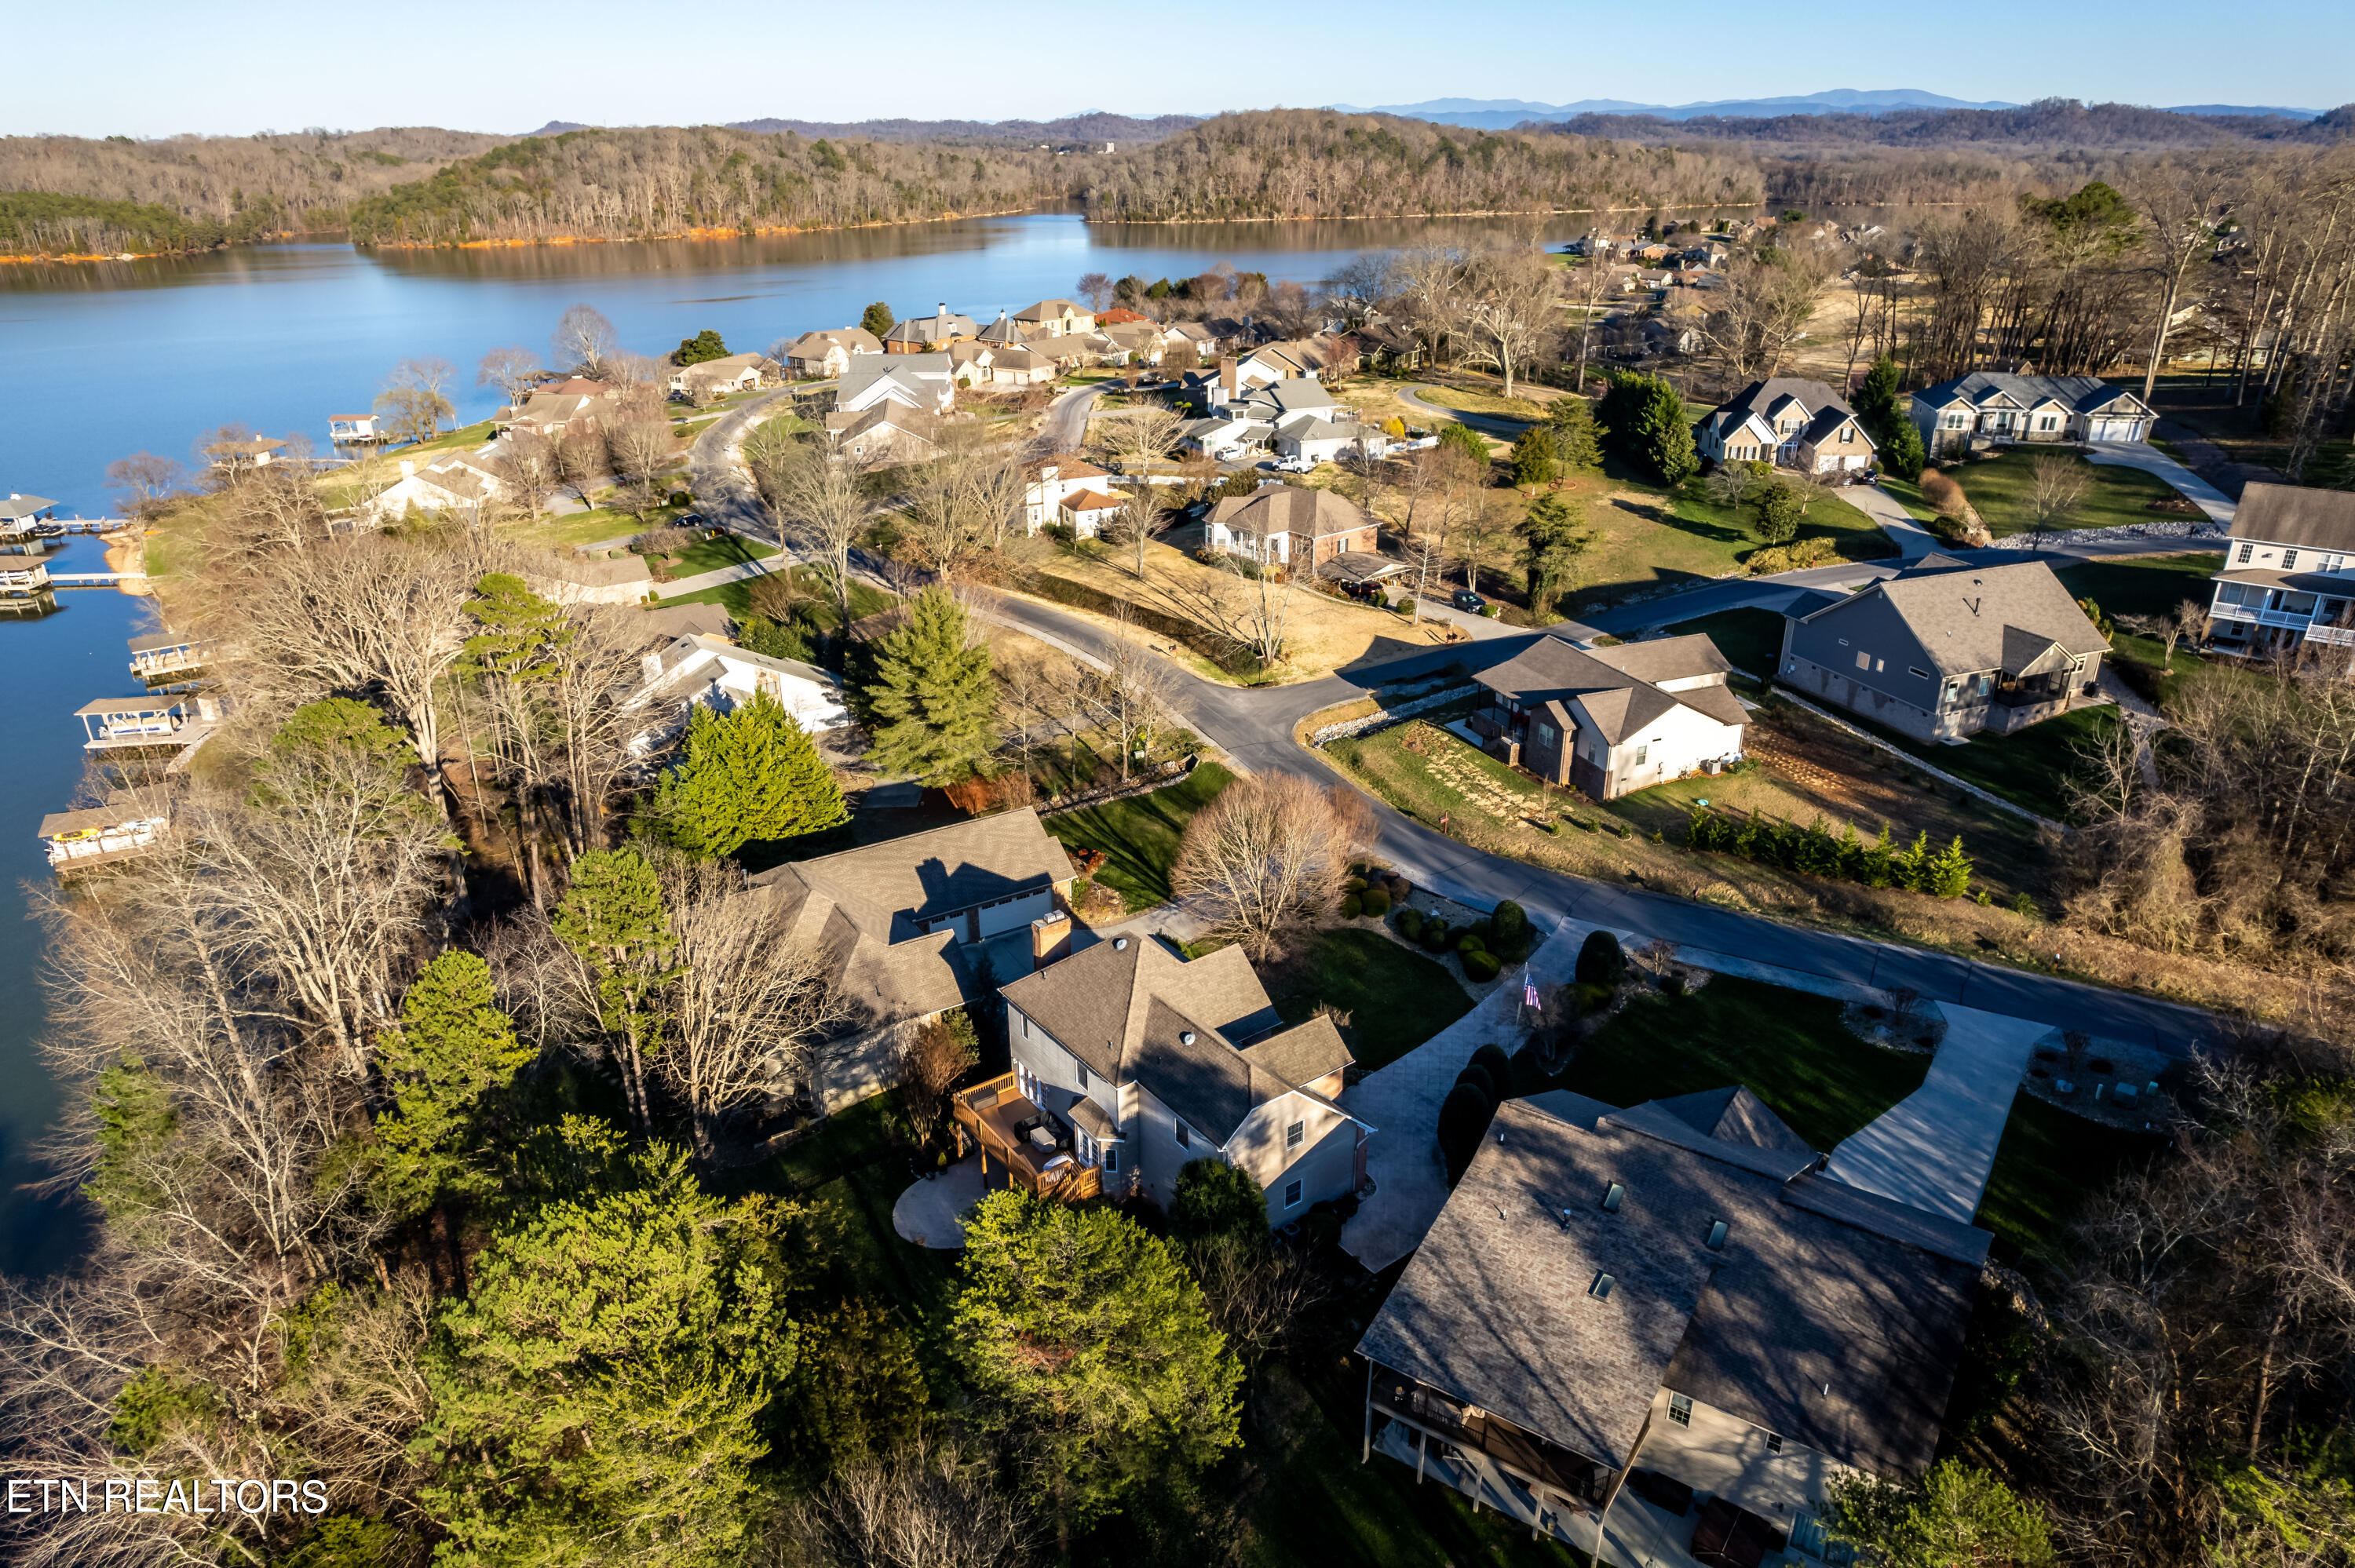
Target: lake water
103, 360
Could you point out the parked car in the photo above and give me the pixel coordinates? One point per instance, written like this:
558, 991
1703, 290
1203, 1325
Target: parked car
1467, 601
1296, 465
1229, 455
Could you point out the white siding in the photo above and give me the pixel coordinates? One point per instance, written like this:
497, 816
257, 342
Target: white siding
1721, 1454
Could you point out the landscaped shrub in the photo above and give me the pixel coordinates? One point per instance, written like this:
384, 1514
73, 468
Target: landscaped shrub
1941, 494
1399, 887
1409, 924
1375, 902
1357, 884
1599, 960
1491, 1059
1469, 942
1510, 936
1435, 935
1480, 966
1478, 1077
1812, 852
1352, 905
1464, 1118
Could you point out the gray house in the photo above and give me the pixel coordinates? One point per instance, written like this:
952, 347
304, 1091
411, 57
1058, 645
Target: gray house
1674, 1301
2288, 578
1610, 720
1944, 650
1134, 1061
1989, 407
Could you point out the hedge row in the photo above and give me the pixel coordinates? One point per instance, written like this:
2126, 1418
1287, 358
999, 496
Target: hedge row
1080, 596
1812, 851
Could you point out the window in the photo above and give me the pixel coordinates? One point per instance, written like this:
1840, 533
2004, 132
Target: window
1084, 1147
1292, 1195
2289, 559
1918, 674
1611, 1198
1863, 660
1640, 752
1545, 735
2246, 551
1602, 1287
1184, 1138
1773, 1441
1681, 1409
1295, 1134
1083, 1074
1986, 685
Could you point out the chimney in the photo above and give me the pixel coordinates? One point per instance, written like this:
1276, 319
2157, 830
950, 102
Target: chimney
1051, 938
944, 308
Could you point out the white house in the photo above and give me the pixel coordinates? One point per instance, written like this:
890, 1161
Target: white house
885, 433
1051, 481
1987, 406
1055, 318
722, 377
1087, 513
925, 382
723, 677
823, 353
1140, 1062
458, 485
2288, 577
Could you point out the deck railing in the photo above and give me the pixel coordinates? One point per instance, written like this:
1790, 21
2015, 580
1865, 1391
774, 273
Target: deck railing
988, 1113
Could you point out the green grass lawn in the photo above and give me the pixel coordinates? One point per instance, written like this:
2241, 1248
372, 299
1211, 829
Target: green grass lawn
738, 596
1999, 490
1407, 780
2152, 586
2048, 1163
1139, 835
2030, 766
1477, 400
853, 1169
711, 554
1788, 1048
1751, 638
594, 527
1395, 997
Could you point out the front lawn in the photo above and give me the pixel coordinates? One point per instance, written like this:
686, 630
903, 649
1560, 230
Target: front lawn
1395, 997
1478, 400
1139, 835
2000, 488
738, 596
1788, 1048
711, 554
2048, 1163
2030, 766
1750, 639
2152, 586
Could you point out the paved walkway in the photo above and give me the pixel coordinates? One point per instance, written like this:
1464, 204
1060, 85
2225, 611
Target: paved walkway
1913, 540
931, 1213
1933, 1150
737, 573
2150, 460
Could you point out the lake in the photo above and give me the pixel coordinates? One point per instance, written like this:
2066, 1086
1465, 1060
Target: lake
101, 360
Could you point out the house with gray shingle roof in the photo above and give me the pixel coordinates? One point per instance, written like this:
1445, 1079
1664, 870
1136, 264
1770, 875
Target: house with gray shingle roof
1611, 720
1145, 1061
1291, 525
1991, 406
1945, 649
1789, 422
1674, 1299
2288, 577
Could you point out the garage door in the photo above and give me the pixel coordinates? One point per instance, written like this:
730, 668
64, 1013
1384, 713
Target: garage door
1012, 914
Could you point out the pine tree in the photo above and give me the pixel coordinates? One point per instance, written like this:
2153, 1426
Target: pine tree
454, 1053
933, 700
1901, 454
614, 920
1646, 418
1877, 868
1949, 874
1464, 439
701, 349
1553, 536
1876, 401
1577, 438
1535, 460
750, 774
878, 319
1778, 514
1912, 866
599, 1391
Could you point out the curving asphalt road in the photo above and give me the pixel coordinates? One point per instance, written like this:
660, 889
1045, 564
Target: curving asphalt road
723, 491
1065, 427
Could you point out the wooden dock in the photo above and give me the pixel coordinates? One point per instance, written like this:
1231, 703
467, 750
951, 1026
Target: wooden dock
94, 580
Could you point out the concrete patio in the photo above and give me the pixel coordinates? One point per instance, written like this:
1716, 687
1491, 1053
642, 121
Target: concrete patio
931, 1213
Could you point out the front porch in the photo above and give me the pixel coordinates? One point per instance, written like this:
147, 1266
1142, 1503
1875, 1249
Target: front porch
1030, 1148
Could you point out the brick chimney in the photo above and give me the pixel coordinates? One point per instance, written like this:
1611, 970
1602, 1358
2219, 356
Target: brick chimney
1051, 938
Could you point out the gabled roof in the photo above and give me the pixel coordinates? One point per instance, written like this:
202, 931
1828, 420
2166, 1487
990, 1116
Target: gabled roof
1992, 388
1290, 509
1090, 501
1971, 618
850, 340
1303, 1053
1616, 688
1826, 1321
890, 889
1051, 310
919, 373
16, 507
2293, 515
1771, 396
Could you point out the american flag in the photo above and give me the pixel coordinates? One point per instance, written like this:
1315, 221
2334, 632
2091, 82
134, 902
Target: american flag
1528, 991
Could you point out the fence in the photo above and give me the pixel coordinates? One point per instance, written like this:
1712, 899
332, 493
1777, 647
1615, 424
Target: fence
1157, 777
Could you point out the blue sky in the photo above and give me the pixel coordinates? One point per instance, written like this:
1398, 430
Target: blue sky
149, 67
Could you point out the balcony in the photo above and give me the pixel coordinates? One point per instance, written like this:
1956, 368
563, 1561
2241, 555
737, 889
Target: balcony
1570, 1476
1027, 1143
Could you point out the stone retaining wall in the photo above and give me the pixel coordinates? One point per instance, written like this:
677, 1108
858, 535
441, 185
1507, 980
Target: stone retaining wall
1381, 718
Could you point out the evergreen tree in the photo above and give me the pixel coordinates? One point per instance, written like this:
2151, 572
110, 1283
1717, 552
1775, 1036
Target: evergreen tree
1646, 418
613, 920
1949, 873
1875, 866
1876, 402
597, 1391
1778, 513
1214, 1198
1912, 866
1097, 1347
773, 639
453, 1055
878, 319
1577, 438
701, 349
750, 774
1553, 536
1535, 460
1465, 440
933, 700
1903, 455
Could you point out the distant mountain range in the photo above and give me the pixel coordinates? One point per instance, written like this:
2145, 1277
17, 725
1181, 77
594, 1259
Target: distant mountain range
1093, 125
1501, 113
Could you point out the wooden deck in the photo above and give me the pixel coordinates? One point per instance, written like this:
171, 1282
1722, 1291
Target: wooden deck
991, 1115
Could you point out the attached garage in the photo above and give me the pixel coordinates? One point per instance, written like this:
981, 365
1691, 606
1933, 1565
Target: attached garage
1014, 913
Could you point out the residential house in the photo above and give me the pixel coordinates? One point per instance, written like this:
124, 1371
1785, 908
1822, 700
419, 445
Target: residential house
127, 823
668, 623
1944, 650
259, 452
550, 411
723, 378
2288, 577
1140, 342
929, 334
1224, 433
457, 487
1076, 351
885, 434
352, 430
1087, 511
719, 675
1988, 406
1197, 336
909, 922
1054, 318
1119, 315
1387, 346
1290, 524
1788, 422
816, 355
1315, 438
1003, 334
924, 382
980, 364
1049, 481
1609, 721
1676, 1300
1145, 1062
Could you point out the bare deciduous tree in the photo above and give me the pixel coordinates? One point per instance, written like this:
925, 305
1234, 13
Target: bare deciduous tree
580, 460
1141, 521
1269, 856
816, 500
1509, 307
512, 369
584, 340
525, 461
1132, 696
932, 1507
2057, 484
146, 481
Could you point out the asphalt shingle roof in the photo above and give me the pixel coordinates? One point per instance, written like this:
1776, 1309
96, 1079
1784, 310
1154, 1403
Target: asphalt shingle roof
2293, 515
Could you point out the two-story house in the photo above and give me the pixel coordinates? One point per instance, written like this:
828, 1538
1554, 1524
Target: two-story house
2288, 577
1048, 482
1789, 422
1670, 1304
710, 671
1612, 720
1988, 406
829, 352
1055, 318
929, 334
1144, 1062
924, 382
1944, 650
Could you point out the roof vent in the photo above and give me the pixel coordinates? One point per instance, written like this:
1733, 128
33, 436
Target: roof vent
1184, 1037
1716, 1233
1611, 1198
1120, 944
1602, 1287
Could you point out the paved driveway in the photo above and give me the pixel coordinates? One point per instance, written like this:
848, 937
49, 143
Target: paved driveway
1933, 1150
1911, 539
2150, 460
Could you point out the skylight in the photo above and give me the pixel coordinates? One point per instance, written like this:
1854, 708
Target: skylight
1602, 1287
1611, 1198
1716, 1233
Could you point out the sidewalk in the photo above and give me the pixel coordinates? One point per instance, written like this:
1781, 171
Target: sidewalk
671, 590
1933, 1150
